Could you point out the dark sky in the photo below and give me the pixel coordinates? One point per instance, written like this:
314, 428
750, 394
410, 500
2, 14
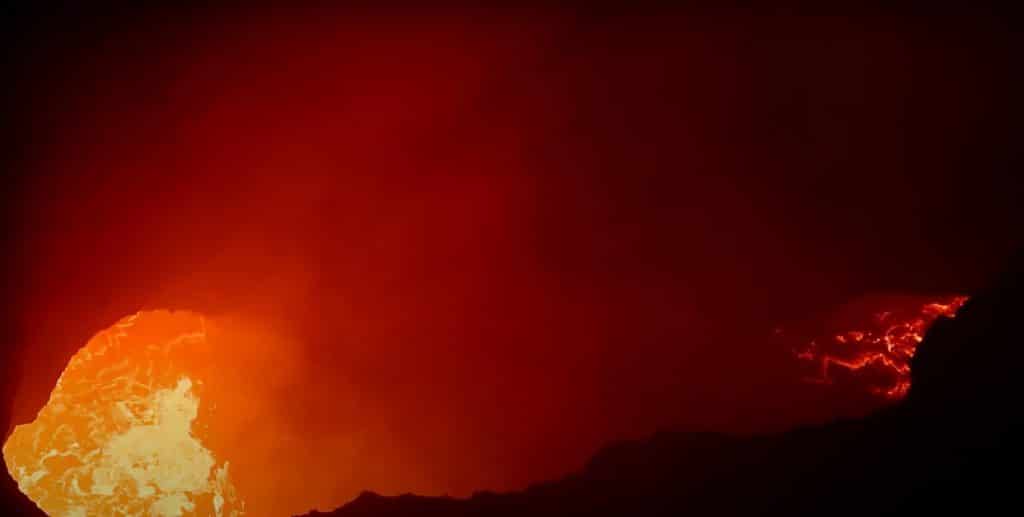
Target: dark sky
501, 239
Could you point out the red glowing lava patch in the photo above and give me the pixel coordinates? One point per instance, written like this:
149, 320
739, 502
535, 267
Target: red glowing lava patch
877, 351
125, 428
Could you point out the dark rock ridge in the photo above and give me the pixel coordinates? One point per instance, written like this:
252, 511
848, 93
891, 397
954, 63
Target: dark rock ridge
950, 446
12, 501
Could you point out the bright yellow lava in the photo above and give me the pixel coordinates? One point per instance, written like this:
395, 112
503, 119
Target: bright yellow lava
122, 431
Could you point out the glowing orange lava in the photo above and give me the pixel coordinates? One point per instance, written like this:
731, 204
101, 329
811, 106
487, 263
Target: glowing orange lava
125, 431
883, 346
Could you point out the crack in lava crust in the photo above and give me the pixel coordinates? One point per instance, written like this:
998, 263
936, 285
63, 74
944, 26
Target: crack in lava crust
885, 345
121, 432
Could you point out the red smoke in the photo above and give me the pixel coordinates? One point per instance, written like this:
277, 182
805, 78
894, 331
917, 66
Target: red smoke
485, 245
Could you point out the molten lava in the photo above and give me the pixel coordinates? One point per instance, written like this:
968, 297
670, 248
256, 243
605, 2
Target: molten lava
881, 348
124, 431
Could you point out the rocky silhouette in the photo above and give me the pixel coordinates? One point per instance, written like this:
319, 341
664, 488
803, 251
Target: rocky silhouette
951, 445
493, 240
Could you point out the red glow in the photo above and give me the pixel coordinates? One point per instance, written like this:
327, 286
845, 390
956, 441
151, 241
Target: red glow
482, 246
884, 345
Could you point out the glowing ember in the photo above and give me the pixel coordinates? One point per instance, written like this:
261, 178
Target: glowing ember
122, 433
883, 347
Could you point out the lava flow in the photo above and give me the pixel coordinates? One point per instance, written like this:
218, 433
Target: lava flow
125, 431
881, 348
